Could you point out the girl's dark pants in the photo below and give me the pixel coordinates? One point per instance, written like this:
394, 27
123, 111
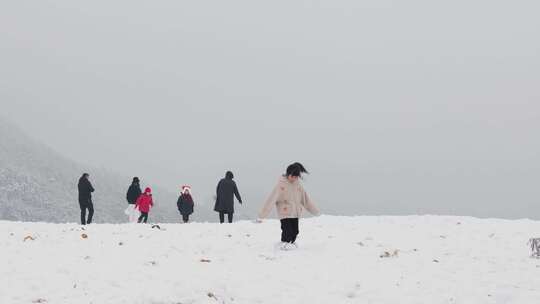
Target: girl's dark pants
144, 216
185, 218
289, 230
222, 217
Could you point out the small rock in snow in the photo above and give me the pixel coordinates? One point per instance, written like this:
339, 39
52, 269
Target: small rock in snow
29, 238
387, 254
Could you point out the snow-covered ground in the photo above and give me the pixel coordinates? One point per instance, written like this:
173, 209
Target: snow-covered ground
439, 260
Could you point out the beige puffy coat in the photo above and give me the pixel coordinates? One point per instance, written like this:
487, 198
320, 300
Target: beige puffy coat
290, 199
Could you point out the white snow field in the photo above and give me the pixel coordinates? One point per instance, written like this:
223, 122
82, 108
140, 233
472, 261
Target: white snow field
431, 259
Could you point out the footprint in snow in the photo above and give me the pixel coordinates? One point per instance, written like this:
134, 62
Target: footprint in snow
268, 258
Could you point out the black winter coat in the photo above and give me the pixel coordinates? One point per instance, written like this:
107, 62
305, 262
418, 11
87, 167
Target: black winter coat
226, 190
133, 193
185, 205
85, 190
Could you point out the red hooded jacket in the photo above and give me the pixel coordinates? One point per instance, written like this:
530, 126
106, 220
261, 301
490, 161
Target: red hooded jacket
144, 202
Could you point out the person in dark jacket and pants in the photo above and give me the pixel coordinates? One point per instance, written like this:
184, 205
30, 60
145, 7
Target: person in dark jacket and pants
85, 199
185, 203
132, 195
226, 190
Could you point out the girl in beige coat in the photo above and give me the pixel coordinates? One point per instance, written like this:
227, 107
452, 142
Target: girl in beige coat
290, 199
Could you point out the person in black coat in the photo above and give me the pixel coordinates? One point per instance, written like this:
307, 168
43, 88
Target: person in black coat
85, 199
134, 191
185, 203
226, 190
132, 195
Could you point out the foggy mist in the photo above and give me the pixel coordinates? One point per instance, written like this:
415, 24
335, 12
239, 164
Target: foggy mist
395, 107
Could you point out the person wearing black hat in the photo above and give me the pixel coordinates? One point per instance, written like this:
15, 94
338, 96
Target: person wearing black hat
226, 191
132, 195
85, 198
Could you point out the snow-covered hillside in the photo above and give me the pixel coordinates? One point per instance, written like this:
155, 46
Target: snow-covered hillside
431, 260
39, 184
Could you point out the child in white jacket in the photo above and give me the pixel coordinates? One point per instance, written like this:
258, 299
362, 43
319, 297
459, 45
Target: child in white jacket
290, 199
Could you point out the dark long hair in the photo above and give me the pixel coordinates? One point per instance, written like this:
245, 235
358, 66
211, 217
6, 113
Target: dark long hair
296, 169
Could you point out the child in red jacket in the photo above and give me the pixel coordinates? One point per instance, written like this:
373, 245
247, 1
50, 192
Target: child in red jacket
144, 203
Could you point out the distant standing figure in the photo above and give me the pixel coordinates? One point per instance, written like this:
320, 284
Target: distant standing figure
85, 198
290, 198
132, 195
185, 203
144, 203
226, 190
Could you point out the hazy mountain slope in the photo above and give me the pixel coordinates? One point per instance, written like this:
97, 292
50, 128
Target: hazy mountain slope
39, 184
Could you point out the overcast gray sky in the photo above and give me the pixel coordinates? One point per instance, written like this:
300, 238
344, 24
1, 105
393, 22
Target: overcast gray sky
396, 107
